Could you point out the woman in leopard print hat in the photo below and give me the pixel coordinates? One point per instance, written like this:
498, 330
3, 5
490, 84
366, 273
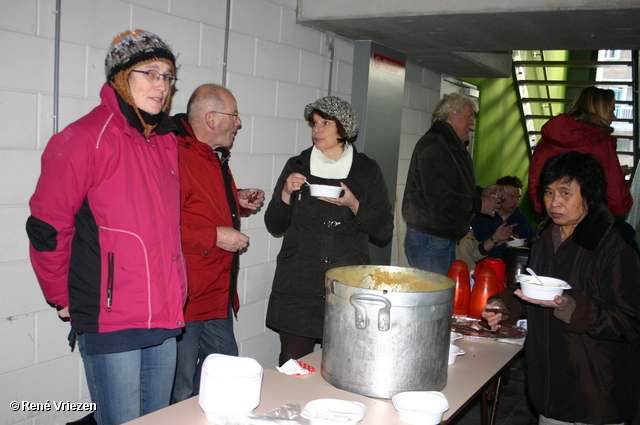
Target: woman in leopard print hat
322, 233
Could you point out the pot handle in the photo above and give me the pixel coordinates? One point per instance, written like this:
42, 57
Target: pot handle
361, 314
331, 287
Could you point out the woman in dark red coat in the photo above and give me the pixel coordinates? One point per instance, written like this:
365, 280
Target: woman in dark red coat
585, 128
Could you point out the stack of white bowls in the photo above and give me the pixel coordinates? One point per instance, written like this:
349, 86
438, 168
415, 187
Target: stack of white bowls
454, 351
229, 384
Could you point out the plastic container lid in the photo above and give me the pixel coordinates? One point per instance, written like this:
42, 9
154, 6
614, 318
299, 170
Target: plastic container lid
331, 411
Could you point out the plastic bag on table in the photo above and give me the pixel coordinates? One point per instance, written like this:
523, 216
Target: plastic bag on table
288, 411
287, 414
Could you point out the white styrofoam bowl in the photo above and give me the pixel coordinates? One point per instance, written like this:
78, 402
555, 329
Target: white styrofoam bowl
516, 242
421, 407
325, 191
454, 351
455, 336
530, 288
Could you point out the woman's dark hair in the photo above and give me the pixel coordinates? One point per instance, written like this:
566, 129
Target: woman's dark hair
341, 131
585, 169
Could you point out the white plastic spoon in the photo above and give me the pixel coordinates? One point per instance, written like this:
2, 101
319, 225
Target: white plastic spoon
532, 273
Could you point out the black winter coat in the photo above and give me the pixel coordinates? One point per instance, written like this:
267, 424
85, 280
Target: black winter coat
319, 236
587, 371
441, 196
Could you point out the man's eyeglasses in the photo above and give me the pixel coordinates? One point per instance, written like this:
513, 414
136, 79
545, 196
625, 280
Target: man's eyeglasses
235, 116
153, 76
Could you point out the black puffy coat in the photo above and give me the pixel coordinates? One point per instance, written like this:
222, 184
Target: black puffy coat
319, 236
587, 371
441, 196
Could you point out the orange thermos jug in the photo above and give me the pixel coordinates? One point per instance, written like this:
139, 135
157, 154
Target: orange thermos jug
459, 272
486, 284
499, 266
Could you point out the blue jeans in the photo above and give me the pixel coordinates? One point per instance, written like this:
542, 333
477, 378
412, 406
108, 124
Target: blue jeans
428, 252
130, 384
198, 340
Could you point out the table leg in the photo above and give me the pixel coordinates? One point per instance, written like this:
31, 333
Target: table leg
491, 393
496, 399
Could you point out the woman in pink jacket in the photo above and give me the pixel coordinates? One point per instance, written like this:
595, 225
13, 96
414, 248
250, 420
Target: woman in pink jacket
105, 232
586, 128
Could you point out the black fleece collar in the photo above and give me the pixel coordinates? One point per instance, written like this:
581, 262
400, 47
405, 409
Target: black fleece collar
161, 121
590, 231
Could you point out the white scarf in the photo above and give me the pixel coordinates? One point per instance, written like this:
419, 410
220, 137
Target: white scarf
328, 168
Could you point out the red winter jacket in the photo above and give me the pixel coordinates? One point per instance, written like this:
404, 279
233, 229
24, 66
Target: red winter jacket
211, 272
105, 224
562, 134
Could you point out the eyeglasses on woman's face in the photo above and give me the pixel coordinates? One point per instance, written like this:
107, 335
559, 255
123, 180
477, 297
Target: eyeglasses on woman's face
153, 76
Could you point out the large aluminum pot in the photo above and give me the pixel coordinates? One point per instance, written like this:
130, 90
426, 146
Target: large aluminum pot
386, 329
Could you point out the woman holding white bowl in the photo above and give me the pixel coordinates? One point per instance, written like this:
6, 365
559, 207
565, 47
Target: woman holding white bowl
321, 233
582, 348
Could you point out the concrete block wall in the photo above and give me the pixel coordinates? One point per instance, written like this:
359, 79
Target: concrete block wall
421, 95
275, 67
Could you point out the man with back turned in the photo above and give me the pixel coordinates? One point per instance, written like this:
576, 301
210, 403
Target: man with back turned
441, 197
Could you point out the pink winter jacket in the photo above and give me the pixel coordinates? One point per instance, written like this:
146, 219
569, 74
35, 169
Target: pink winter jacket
105, 224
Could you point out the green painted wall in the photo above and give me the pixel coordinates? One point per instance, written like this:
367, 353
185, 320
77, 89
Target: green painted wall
501, 144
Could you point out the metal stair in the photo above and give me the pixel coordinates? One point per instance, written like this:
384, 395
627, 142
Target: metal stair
549, 80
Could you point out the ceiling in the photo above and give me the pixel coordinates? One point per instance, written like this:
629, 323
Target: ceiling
480, 44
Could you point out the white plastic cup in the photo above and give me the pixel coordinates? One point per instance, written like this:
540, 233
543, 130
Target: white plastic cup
229, 384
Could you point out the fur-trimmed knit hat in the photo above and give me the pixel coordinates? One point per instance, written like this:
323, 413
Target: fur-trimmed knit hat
130, 48
335, 107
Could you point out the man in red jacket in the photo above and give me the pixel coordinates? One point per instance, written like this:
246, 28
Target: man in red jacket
210, 226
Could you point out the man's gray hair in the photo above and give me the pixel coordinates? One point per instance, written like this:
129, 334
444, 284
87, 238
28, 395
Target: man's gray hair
203, 99
453, 102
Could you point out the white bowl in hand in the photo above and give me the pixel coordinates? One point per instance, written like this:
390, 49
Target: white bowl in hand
531, 287
325, 191
516, 242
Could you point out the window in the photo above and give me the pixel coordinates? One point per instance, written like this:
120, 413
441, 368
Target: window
623, 112
610, 54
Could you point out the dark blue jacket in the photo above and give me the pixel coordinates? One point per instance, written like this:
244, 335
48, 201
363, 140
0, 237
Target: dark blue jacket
484, 226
